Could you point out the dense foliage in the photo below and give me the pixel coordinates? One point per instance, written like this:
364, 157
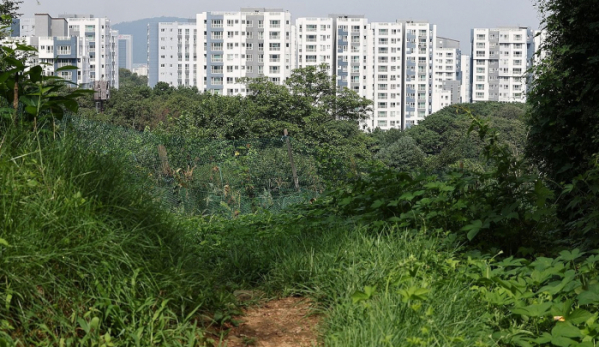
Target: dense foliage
564, 102
412, 240
442, 139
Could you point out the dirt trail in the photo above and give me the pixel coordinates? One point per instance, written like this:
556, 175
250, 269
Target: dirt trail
278, 323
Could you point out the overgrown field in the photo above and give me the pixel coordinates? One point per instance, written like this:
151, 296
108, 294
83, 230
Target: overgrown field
90, 258
477, 227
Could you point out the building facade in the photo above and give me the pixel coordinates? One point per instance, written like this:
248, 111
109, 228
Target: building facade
385, 78
500, 59
420, 38
56, 47
314, 43
172, 53
464, 76
255, 42
446, 73
125, 52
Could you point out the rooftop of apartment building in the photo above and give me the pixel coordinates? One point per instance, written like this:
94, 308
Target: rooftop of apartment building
74, 15
189, 21
262, 9
346, 16
412, 21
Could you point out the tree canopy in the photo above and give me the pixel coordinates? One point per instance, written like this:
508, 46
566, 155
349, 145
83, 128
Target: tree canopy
564, 99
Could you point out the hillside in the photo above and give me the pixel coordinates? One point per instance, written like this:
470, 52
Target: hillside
138, 29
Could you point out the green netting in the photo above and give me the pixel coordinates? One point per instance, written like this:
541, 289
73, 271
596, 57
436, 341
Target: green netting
200, 176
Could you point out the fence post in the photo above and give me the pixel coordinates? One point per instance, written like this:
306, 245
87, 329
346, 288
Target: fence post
293, 170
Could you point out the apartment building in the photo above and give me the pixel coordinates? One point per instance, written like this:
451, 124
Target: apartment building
172, 53
464, 77
314, 43
254, 42
56, 47
403, 67
386, 77
352, 53
125, 48
500, 59
419, 43
23, 27
99, 44
446, 73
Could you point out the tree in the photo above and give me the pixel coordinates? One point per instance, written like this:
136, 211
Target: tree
403, 155
8, 10
564, 100
313, 89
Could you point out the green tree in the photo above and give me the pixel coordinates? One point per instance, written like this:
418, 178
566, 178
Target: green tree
8, 10
404, 154
564, 100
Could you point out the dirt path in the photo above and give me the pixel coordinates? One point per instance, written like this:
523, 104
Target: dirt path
278, 323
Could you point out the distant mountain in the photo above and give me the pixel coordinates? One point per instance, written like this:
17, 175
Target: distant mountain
139, 30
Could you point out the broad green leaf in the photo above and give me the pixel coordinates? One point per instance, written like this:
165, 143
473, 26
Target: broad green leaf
563, 342
544, 338
569, 256
4, 242
565, 329
359, 296
535, 310
68, 67
590, 296
473, 228
578, 316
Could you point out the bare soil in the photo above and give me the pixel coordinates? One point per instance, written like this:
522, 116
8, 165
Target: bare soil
278, 323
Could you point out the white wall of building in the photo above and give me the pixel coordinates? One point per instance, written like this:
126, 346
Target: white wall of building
385, 88
499, 63
249, 43
98, 45
314, 42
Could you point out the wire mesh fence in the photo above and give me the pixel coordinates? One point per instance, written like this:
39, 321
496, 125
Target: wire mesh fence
208, 176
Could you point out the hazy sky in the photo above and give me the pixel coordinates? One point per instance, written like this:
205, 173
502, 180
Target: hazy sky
454, 18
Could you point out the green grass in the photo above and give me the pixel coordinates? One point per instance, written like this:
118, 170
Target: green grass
86, 253
89, 257
385, 288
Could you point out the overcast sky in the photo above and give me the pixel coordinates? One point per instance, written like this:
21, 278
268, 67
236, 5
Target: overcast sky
454, 18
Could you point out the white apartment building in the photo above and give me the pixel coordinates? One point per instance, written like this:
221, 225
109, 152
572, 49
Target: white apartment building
99, 45
353, 60
56, 47
172, 53
386, 78
420, 40
314, 43
500, 59
403, 67
446, 67
255, 42
464, 77
23, 27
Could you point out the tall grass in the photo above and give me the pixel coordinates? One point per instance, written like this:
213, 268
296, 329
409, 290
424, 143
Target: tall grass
86, 255
375, 288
